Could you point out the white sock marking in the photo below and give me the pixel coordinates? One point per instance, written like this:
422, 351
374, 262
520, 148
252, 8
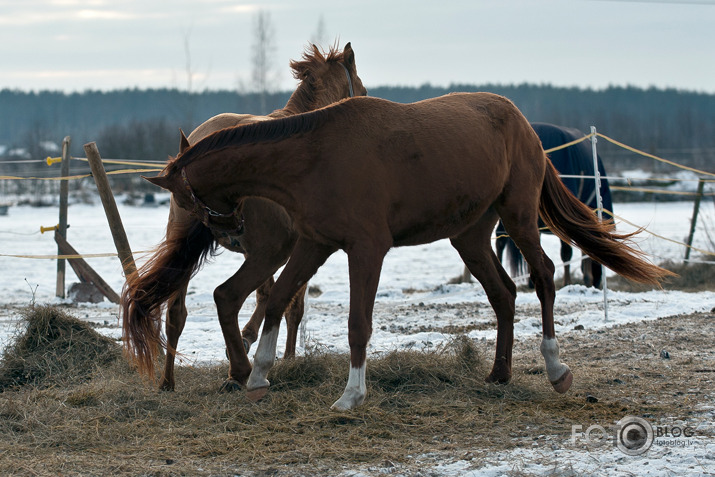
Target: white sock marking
550, 350
355, 391
263, 360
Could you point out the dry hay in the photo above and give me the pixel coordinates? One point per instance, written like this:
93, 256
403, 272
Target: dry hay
419, 403
54, 348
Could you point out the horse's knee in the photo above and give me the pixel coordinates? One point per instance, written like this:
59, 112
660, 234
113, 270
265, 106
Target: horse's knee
221, 294
274, 312
543, 277
550, 267
264, 291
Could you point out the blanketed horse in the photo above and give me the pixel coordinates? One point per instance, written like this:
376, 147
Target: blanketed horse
366, 174
575, 160
261, 230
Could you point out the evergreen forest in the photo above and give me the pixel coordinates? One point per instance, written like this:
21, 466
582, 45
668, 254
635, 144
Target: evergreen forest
143, 125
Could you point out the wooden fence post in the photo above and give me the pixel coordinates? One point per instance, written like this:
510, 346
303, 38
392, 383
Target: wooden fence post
62, 227
84, 272
110, 209
694, 220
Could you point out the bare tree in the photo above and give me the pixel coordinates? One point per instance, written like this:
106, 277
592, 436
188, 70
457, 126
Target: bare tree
264, 74
320, 36
190, 106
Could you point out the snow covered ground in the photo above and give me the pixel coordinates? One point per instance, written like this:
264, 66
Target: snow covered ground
412, 278
411, 275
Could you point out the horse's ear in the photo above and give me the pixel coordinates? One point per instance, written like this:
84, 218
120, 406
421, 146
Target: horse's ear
184, 144
349, 55
160, 181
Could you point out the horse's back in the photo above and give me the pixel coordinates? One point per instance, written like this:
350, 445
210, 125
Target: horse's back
222, 121
463, 124
434, 166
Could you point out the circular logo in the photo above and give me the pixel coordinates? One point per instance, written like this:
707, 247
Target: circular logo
635, 435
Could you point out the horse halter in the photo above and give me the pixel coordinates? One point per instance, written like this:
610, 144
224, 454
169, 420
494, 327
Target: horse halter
204, 212
350, 80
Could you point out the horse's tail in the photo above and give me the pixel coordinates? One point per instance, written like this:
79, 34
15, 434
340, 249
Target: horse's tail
571, 220
170, 268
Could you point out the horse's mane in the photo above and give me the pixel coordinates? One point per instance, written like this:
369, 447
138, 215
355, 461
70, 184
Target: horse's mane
309, 71
262, 131
313, 58
309, 66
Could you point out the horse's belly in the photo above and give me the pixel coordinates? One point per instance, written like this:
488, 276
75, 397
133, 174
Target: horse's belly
449, 222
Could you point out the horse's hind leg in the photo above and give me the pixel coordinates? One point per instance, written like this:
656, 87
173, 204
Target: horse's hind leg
175, 320
597, 271
522, 227
294, 315
475, 249
592, 272
566, 255
250, 331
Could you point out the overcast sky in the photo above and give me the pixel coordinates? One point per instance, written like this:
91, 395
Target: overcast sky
74, 45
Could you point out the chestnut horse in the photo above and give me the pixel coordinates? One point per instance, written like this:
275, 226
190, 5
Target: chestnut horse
366, 174
262, 231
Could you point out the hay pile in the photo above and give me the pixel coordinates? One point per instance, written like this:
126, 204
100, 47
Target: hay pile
70, 418
54, 348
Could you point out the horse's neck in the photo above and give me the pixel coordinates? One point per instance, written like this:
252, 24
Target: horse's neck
269, 171
302, 100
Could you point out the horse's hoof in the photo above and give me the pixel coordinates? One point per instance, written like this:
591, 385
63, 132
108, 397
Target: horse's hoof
563, 384
256, 394
498, 378
246, 344
230, 385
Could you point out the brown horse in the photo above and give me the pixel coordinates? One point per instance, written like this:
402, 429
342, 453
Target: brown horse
366, 174
262, 231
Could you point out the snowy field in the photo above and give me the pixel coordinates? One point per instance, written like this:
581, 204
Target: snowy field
412, 278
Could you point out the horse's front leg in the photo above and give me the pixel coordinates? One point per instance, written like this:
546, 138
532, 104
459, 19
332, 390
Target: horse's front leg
365, 266
229, 298
305, 260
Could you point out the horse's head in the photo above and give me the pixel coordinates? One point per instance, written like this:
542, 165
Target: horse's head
171, 180
175, 179
325, 78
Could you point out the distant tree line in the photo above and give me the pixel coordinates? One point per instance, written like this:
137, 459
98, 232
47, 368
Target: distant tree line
143, 124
